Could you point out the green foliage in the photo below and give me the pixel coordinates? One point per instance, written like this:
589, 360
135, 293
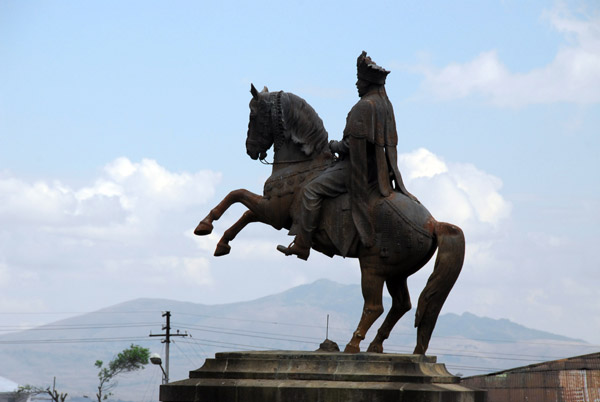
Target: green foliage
131, 359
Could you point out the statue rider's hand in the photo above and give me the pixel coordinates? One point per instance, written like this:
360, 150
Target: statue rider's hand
334, 146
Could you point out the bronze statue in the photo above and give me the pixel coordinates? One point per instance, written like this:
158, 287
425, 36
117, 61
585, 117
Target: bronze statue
367, 159
353, 206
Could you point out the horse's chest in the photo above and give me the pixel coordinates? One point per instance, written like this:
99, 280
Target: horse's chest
278, 186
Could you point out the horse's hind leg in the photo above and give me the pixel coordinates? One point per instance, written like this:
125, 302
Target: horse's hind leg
223, 246
372, 288
246, 197
400, 305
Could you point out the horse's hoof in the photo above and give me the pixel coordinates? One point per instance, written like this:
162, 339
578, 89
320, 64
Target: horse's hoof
375, 348
351, 349
222, 249
203, 229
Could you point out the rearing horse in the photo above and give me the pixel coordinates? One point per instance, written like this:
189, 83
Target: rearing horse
407, 236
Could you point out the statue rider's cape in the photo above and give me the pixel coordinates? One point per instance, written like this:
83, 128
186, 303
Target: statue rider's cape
371, 134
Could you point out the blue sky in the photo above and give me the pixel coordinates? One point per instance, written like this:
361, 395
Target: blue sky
123, 123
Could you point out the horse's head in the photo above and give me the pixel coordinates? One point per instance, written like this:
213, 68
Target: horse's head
287, 121
260, 128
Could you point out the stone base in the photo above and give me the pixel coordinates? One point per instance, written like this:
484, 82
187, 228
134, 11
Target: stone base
286, 376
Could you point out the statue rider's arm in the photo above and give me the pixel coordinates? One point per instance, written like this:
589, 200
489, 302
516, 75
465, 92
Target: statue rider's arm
357, 124
403, 189
342, 148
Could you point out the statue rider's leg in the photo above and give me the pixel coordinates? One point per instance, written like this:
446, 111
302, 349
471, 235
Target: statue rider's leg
330, 183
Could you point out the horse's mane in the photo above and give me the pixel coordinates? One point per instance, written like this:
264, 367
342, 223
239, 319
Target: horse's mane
304, 124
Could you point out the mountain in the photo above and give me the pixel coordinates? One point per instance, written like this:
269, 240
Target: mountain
295, 319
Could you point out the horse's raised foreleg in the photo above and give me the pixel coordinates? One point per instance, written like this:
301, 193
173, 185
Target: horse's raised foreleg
249, 199
400, 305
372, 288
223, 246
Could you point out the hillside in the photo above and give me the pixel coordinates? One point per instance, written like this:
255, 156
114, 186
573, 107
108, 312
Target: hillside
294, 319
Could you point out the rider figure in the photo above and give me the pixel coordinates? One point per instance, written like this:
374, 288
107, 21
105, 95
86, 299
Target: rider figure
367, 161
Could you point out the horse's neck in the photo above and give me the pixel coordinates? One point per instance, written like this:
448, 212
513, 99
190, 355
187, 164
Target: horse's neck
303, 164
289, 152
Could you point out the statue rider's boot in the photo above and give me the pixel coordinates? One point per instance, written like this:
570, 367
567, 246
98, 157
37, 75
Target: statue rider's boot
298, 247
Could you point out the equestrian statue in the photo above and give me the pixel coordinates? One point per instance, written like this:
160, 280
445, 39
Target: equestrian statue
347, 198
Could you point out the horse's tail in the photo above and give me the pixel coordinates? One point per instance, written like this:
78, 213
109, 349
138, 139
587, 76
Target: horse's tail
449, 261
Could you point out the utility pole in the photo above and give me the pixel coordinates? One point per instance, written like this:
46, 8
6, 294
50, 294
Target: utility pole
167, 341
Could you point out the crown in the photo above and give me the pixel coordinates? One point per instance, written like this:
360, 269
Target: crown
369, 71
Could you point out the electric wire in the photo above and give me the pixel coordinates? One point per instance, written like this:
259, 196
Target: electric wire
264, 335
184, 354
279, 337
202, 356
151, 383
486, 369
397, 333
62, 327
562, 343
250, 320
208, 342
75, 340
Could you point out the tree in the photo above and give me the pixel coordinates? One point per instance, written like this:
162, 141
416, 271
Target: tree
131, 359
35, 390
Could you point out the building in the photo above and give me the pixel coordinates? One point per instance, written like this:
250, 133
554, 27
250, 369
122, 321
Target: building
575, 379
14, 397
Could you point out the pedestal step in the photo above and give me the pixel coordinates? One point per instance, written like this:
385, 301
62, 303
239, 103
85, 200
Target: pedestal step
280, 376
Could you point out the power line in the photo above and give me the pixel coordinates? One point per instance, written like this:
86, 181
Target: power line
252, 320
271, 336
286, 338
221, 343
73, 340
395, 333
241, 333
486, 369
201, 356
76, 312
185, 354
542, 342
62, 327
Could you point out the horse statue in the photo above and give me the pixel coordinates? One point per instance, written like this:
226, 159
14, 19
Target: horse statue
407, 235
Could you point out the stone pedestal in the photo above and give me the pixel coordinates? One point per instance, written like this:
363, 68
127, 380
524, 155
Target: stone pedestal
287, 376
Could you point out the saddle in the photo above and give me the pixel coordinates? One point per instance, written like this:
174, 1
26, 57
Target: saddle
393, 215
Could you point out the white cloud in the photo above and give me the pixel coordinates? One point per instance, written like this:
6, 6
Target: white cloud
573, 75
125, 225
4, 274
128, 195
197, 270
128, 234
454, 192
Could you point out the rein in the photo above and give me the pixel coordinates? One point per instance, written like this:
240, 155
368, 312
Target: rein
265, 162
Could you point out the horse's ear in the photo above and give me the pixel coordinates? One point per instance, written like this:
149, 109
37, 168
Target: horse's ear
253, 91
265, 89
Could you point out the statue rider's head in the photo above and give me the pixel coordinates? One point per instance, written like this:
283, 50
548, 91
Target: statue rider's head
369, 74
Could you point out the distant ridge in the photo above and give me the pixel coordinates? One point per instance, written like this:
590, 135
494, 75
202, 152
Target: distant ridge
292, 320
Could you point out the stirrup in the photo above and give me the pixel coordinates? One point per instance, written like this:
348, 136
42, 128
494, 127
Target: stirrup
293, 248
